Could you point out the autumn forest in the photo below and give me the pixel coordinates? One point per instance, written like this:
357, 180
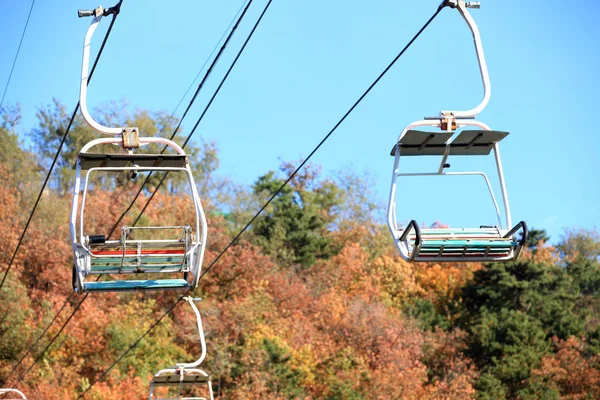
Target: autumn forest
312, 301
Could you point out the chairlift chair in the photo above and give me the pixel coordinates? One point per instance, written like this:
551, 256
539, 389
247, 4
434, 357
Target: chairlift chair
14, 394
184, 376
179, 257
484, 243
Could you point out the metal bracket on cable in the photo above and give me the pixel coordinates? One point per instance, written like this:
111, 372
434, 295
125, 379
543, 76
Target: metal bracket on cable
99, 11
455, 3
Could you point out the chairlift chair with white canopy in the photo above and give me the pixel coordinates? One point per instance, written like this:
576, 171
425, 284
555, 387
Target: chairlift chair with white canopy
483, 243
179, 257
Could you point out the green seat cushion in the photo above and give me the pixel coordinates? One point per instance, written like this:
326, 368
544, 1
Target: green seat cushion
134, 285
479, 244
130, 259
114, 268
459, 231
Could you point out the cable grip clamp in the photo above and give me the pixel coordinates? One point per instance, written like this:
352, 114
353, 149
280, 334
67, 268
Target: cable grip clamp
131, 138
457, 3
99, 11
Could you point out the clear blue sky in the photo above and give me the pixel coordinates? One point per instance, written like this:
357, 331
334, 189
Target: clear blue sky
310, 60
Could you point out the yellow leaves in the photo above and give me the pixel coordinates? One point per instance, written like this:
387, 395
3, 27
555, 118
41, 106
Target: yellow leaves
396, 279
443, 281
542, 254
263, 331
306, 361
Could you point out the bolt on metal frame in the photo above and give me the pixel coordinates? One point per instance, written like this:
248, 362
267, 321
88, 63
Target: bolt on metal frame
410, 239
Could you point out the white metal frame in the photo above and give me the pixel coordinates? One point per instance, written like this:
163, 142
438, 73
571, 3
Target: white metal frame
12, 391
183, 369
83, 254
444, 122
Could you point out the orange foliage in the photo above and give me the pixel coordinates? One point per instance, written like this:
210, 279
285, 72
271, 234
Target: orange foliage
442, 282
338, 323
541, 254
569, 372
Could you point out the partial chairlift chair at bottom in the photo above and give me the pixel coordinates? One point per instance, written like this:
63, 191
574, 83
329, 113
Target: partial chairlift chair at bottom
184, 376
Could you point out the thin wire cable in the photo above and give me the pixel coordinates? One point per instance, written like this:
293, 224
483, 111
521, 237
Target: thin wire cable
62, 142
205, 110
201, 69
366, 92
200, 86
118, 6
114, 227
277, 192
132, 346
203, 65
39, 357
17, 54
39, 338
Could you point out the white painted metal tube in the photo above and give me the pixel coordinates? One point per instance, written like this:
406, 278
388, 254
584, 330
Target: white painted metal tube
392, 222
503, 186
143, 141
200, 223
201, 332
12, 391
487, 181
473, 122
74, 207
187, 171
487, 89
84, 82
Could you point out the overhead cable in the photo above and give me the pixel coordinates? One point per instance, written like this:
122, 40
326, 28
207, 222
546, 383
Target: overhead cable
17, 54
275, 194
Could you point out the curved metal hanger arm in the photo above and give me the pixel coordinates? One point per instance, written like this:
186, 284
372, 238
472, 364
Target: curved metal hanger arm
196, 363
98, 13
462, 9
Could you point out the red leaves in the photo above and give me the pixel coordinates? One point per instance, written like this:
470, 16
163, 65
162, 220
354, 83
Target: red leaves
337, 324
569, 372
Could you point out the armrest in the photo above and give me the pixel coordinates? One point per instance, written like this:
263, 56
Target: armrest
520, 226
414, 226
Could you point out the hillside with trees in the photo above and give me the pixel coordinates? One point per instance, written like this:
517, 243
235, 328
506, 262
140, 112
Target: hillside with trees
311, 303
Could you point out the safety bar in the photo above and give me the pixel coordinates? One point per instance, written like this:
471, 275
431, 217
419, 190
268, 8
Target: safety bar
462, 9
521, 225
98, 13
